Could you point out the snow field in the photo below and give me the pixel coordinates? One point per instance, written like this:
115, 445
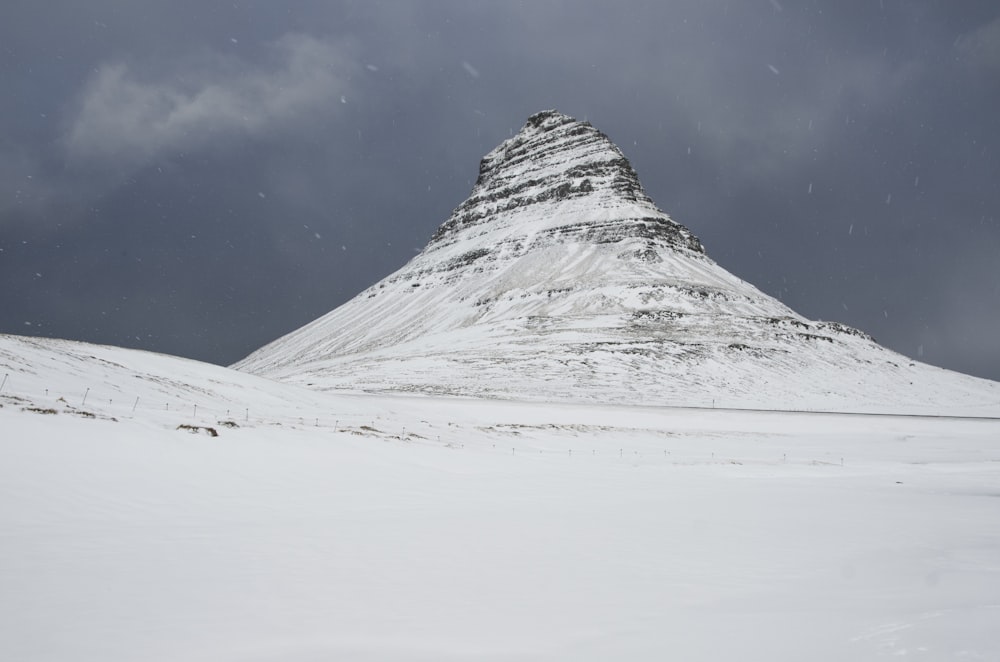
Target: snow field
748, 541
432, 528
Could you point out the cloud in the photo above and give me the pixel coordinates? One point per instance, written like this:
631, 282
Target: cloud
768, 136
125, 117
19, 187
981, 47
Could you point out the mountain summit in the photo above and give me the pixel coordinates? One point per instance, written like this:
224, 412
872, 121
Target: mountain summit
549, 181
559, 279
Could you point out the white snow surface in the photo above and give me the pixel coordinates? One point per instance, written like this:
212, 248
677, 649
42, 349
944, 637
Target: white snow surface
558, 279
403, 527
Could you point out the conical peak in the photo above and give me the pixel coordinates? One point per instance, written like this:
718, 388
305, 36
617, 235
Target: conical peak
548, 119
559, 172
549, 138
544, 122
558, 279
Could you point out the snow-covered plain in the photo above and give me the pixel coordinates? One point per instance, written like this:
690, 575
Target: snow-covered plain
357, 527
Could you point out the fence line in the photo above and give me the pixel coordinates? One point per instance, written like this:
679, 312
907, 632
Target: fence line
707, 456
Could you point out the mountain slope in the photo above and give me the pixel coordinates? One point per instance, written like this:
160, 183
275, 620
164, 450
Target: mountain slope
559, 279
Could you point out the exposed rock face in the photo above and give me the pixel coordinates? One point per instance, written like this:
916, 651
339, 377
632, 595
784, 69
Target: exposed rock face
553, 161
558, 278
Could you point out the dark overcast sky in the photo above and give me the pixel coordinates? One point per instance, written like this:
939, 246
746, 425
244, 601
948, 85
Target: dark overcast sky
199, 177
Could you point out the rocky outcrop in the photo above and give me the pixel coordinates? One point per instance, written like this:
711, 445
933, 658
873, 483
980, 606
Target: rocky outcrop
555, 159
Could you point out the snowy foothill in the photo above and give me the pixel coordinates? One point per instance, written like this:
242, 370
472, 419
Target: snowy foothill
327, 526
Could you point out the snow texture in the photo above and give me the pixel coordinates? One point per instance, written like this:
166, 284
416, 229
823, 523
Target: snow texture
321, 526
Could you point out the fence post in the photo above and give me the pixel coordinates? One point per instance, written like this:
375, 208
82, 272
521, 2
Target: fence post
85, 396
4, 382
135, 404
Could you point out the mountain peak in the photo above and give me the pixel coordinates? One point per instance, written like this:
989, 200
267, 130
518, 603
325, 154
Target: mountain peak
557, 169
559, 279
548, 119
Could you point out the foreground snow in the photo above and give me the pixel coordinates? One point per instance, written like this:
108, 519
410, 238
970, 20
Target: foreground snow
410, 528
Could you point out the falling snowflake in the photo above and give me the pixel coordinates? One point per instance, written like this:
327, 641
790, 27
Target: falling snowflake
469, 69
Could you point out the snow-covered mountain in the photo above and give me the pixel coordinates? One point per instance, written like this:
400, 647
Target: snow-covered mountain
559, 279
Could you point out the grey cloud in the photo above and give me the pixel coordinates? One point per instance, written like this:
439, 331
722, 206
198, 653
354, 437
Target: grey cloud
981, 47
20, 188
768, 123
125, 117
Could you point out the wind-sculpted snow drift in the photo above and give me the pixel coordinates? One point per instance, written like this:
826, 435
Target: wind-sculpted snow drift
559, 279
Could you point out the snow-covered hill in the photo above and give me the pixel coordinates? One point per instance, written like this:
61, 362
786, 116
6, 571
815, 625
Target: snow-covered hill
558, 279
46, 375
